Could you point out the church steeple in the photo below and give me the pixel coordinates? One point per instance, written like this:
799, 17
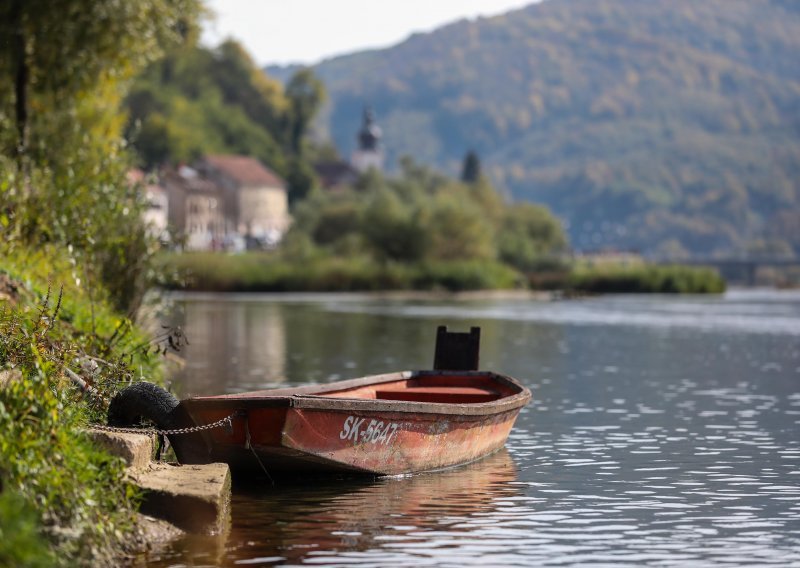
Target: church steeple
369, 153
369, 137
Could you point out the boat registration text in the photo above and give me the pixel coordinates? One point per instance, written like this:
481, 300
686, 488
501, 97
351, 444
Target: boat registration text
373, 432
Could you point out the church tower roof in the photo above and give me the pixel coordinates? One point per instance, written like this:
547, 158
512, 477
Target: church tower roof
369, 137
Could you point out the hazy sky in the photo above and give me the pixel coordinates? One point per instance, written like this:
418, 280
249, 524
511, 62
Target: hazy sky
306, 31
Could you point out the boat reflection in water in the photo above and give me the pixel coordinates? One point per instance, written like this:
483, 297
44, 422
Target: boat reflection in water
354, 521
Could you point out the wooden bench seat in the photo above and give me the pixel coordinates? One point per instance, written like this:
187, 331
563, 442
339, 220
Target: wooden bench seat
451, 395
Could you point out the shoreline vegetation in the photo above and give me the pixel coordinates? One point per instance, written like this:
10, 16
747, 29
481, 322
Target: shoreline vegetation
63, 500
272, 272
75, 263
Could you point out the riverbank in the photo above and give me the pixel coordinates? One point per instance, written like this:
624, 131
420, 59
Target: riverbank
644, 279
72, 504
274, 272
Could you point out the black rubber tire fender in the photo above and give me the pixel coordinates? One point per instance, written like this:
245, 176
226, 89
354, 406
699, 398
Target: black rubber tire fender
143, 401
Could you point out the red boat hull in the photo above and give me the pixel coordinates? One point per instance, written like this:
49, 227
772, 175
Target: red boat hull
385, 425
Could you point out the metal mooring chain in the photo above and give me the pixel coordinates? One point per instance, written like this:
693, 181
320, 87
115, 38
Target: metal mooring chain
228, 420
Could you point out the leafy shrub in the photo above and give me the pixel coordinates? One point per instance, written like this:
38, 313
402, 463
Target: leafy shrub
273, 273
423, 216
78, 490
82, 504
646, 279
527, 236
457, 276
98, 217
21, 543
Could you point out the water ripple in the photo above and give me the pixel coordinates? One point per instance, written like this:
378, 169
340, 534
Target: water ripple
642, 446
729, 314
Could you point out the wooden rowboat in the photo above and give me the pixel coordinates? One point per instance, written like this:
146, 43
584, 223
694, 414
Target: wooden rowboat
388, 424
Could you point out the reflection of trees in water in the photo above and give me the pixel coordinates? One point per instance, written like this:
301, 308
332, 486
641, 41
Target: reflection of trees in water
330, 345
328, 342
233, 346
247, 344
341, 516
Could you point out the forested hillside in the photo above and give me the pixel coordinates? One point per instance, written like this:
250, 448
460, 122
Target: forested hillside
199, 100
668, 127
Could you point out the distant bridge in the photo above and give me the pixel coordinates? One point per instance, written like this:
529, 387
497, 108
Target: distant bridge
736, 269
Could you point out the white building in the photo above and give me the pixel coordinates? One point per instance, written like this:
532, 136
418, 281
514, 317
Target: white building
227, 202
156, 214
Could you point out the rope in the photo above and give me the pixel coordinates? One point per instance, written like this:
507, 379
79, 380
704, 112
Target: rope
249, 446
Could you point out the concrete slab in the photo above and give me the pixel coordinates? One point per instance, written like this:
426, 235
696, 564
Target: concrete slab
195, 498
136, 449
7, 376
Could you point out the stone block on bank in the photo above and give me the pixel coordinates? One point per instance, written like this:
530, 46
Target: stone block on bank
135, 449
194, 498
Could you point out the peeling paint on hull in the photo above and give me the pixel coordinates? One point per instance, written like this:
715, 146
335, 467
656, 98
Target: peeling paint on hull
383, 425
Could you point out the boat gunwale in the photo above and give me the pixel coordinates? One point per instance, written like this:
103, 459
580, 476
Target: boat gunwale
313, 397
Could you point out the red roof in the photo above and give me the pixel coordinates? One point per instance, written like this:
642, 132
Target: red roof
135, 175
245, 170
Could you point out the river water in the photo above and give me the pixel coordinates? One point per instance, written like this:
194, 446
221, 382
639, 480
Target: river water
663, 431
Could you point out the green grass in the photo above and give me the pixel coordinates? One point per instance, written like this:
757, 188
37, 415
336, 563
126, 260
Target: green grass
265, 272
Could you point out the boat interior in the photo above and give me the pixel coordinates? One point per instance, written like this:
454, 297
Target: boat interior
450, 388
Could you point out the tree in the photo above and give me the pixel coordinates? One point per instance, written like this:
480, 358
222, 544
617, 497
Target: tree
242, 83
458, 230
424, 217
54, 53
207, 101
64, 68
394, 229
528, 233
301, 180
420, 176
306, 94
471, 168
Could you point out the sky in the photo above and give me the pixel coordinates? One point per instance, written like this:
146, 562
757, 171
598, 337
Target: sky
307, 31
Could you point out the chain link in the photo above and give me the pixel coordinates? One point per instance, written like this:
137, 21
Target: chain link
228, 420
